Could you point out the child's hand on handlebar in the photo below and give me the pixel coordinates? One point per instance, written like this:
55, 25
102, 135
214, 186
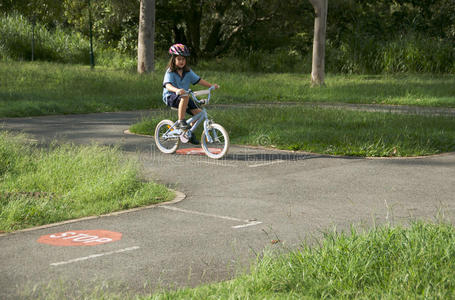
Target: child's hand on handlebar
180, 92
216, 86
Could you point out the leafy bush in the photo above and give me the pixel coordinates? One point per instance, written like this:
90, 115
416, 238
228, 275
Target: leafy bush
418, 54
410, 54
360, 53
50, 45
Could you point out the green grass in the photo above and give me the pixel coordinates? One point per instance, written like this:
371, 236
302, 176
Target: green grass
329, 131
383, 263
31, 89
415, 90
41, 186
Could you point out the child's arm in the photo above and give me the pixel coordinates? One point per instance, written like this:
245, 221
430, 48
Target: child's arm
173, 89
207, 84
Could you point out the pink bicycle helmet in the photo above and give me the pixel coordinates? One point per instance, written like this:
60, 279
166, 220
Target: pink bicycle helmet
179, 49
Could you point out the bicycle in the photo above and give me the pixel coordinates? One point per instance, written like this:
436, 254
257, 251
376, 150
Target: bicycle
214, 139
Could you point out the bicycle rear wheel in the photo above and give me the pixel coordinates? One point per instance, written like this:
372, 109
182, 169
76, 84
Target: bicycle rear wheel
220, 141
165, 143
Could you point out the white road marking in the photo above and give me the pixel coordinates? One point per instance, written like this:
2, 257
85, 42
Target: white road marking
217, 163
247, 225
93, 256
267, 164
247, 222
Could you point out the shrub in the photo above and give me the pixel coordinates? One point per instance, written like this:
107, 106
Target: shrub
56, 45
418, 54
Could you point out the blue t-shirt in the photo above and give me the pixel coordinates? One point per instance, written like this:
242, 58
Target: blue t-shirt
179, 82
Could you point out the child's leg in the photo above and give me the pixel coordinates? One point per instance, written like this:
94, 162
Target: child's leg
192, 108
182, 107
195, 111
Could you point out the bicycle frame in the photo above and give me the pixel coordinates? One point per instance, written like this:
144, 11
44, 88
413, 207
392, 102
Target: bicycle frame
196, 120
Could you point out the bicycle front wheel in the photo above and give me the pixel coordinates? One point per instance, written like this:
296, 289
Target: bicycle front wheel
218, 144
164, 140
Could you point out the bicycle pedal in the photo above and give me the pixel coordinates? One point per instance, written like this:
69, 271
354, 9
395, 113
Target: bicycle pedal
184, 137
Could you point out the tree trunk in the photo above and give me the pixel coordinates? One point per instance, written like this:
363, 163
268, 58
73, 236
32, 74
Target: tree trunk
320, 23
146, 38
193, 24
179, 35
214, 39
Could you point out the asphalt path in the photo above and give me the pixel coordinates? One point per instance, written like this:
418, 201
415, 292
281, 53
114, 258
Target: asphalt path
235, 208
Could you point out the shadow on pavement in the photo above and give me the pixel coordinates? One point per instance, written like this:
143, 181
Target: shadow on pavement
284, 156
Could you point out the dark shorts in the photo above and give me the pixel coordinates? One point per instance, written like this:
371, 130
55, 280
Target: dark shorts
173, 100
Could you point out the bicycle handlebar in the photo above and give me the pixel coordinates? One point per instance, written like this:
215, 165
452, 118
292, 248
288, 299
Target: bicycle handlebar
195, 94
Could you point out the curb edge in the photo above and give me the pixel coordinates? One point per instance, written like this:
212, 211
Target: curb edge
179, 196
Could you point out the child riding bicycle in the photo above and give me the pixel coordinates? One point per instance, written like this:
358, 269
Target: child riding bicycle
177, 80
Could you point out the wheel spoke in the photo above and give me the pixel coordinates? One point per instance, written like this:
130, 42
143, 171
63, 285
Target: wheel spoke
220, 142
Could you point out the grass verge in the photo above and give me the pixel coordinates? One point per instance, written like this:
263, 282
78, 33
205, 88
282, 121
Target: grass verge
42, 186
383, 263
31, 89
329, 131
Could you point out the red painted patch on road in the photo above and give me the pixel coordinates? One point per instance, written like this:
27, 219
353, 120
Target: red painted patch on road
197, 151
80, 238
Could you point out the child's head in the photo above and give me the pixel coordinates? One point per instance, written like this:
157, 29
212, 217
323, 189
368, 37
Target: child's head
179, 58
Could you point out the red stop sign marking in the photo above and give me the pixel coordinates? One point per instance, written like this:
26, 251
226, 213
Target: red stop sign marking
196, 151
80, 238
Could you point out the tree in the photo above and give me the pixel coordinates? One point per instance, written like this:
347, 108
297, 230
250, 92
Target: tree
146, 37
320, 24
49, 13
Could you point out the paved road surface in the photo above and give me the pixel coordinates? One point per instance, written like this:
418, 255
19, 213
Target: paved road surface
233, 210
